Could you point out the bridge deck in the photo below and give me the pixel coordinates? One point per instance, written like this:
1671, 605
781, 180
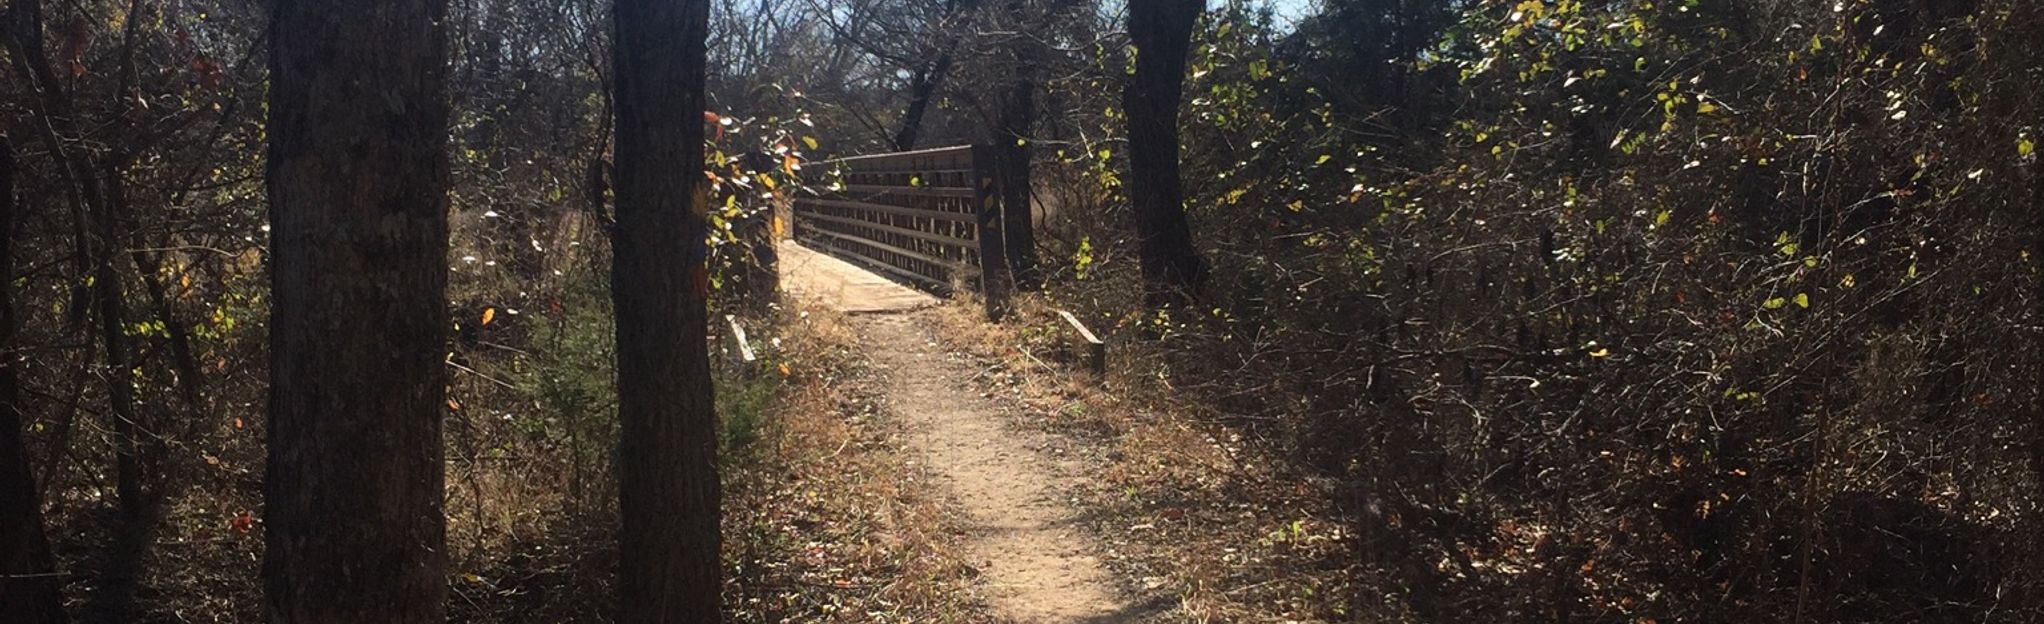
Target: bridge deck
831, 281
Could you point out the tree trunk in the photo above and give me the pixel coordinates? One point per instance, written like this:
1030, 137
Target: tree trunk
357, 180
29, 588
1161, 31
667, 460
1012, 146
922, 88
110, 301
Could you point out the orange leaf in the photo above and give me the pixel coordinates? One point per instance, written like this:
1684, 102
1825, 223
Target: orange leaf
75, 39
715, 122
489, 314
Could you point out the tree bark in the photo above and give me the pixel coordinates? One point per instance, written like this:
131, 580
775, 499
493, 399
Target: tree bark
357, 182
1161, 31
29, 587
667, 460
923, 87
1012, 146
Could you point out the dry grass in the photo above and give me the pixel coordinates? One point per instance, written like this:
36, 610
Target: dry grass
829, 520
1201, 519
826, 517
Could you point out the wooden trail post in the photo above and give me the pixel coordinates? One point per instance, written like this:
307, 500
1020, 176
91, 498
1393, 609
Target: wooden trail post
1095, 350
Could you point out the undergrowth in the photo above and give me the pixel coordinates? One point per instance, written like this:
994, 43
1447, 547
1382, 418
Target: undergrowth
1211, 525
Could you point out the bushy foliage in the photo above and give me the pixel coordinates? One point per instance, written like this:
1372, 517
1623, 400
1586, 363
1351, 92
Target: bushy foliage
1633, 311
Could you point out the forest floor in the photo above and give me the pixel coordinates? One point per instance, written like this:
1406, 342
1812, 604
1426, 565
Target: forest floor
1010, 483
890, 458
1082, 499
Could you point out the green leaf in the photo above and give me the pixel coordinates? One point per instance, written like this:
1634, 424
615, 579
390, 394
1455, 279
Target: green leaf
1803, 300
809, 141
1776, 303
2026, 147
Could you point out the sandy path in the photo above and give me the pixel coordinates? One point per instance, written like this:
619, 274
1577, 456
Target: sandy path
1035, 561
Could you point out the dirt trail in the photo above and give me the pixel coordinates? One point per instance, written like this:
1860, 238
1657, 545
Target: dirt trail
1035, 560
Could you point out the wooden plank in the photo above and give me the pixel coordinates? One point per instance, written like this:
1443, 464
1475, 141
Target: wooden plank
833, 279
738, 333
915, 191
859, 259
907, 172
949, 150
1096, 351
928, 236
886, 247
894, 210
867, 241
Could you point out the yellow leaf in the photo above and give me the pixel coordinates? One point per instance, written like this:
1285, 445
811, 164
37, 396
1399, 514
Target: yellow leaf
1600, 353
489, 314
784, 370
809, 141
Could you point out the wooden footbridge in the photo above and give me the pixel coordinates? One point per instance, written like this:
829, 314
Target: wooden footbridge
932, 218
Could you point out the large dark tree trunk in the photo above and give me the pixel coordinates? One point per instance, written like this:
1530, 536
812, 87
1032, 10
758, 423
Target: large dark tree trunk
358, 178
1161, 31
667, 459
29, 588
1013, 129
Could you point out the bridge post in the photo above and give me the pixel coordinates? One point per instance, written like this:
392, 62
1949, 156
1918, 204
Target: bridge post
995, 281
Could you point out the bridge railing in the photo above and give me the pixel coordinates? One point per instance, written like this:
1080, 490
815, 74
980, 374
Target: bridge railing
931, 217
